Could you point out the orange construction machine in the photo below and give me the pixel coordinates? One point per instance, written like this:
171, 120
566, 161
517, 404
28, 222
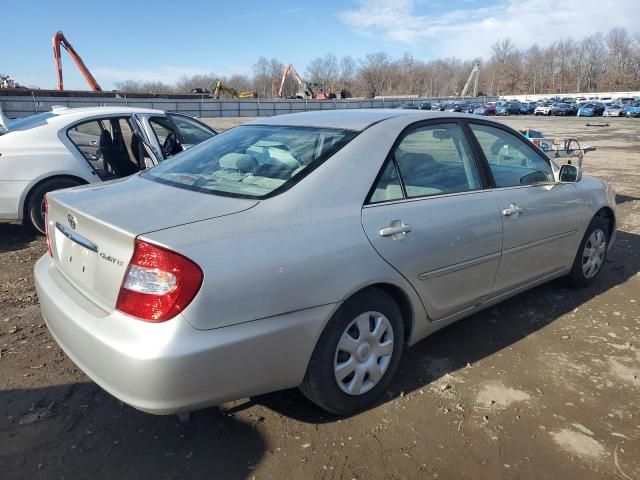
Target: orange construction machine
60, 39
306, 91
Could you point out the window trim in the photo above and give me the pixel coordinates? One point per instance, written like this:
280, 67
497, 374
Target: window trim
476, 160
486, 164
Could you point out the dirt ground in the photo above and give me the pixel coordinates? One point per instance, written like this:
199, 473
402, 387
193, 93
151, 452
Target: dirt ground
543, 386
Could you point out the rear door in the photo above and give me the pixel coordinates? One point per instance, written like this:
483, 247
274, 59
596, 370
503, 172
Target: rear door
430, 216
539, 215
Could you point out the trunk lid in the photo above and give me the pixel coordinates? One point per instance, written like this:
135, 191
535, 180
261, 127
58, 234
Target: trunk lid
92, 228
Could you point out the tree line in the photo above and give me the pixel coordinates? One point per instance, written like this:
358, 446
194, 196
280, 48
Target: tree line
599, 62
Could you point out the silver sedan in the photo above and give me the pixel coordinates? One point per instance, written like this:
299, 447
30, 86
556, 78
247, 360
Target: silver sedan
308, 250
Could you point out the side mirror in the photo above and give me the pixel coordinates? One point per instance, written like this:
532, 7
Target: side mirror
570, 174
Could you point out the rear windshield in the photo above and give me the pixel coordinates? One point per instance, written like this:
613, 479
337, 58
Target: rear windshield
30, 122
252, 161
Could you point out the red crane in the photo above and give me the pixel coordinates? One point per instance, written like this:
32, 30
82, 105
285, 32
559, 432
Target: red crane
59, 39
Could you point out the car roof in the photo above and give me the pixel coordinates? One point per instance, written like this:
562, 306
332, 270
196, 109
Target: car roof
64, 112
356, 119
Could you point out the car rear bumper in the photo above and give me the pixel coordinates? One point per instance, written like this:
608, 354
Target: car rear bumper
171, 367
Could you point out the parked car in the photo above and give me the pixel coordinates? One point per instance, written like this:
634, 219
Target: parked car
237, 286
72, 146
592, 109
613, 110
632, 110
486, 110
460, 107
424, 106
543, 109
562, 109
527, 108
502, 109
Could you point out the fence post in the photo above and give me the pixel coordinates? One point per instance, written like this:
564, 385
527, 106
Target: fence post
35, 105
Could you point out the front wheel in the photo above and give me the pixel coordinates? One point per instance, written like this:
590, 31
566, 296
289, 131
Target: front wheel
357, 354
591, 253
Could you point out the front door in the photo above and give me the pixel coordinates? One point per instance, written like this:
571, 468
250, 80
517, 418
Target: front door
539, 215
431, 218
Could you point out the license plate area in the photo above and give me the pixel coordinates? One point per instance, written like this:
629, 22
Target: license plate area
77, 256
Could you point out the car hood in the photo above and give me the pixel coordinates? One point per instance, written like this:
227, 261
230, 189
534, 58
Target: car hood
137, 205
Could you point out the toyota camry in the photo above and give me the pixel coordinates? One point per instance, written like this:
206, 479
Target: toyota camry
308, 250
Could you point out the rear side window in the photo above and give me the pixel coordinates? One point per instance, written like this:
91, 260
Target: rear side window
512, 161
430, 160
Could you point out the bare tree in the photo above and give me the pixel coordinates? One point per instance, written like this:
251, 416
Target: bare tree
610, 61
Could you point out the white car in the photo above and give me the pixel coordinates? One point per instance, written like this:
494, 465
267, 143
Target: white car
73, 146
543, 110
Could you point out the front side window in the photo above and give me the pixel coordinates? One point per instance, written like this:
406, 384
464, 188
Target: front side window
192, 131
251, 160
434, 160
512, 161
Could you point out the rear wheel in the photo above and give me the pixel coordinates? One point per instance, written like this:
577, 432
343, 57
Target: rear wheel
34, 209
357, 354
591, 254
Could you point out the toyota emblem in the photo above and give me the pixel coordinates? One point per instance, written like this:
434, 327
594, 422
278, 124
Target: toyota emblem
72, 221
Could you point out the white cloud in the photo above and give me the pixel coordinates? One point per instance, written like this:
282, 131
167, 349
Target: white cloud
470, 32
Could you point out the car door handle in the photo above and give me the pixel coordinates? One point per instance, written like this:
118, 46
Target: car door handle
93, 143
396, 228
513, 209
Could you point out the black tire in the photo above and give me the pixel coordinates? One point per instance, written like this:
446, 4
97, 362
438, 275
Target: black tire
34, 212
320, 385
576, 278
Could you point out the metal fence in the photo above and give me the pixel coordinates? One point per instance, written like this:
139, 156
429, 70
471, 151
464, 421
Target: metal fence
23, 106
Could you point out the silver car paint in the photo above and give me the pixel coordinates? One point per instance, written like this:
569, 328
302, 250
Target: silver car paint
98, 274
542, 238
454, 240
276, 272
143, 365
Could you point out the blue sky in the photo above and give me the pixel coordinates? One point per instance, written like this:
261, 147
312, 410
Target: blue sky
163, 40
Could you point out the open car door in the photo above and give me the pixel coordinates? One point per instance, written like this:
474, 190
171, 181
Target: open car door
146, 152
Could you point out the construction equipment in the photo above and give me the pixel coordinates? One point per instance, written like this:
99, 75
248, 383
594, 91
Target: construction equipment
475, 72
59, 39
7, 82
306, 91
218, 88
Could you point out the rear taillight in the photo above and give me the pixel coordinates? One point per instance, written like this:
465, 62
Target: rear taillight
158, 283
46, 225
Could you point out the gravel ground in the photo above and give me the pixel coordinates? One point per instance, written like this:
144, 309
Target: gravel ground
544, 385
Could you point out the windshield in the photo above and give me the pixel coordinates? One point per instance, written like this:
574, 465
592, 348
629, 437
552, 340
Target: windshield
251, 161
